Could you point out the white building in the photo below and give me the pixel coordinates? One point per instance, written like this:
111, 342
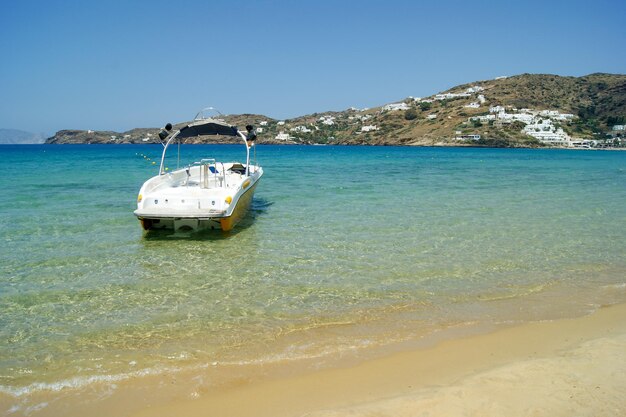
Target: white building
282, 136
618, 127
368, 128
263, 123
395, 106
486, 118
301, 129
446, 96
327, 120
546, 132
473, 105
549, 113
583, 143
474, 89
553, 138
467, 137
281, 123
512, 117
432, 116
361, 117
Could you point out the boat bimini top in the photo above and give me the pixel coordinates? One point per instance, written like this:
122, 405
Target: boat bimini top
202, 126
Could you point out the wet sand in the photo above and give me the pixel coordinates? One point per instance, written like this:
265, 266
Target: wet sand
553, 368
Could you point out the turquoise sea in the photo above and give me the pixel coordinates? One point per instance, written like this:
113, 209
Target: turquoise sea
345, 248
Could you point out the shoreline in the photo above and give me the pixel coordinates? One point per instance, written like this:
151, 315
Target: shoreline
561, 364
459, 369
406, 145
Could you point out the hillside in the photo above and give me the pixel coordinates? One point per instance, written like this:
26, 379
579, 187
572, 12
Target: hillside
526, 110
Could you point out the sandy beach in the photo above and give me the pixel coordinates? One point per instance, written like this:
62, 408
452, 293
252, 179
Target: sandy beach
555, 368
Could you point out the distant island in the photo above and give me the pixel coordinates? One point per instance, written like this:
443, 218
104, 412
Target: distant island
528, 110
20, 137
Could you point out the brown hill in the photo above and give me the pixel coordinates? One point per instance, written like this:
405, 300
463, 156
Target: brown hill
598, 101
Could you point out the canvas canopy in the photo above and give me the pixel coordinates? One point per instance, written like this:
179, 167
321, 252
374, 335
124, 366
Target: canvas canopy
207, 127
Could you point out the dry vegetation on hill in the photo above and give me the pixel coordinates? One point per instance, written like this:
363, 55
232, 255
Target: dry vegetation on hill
598, 101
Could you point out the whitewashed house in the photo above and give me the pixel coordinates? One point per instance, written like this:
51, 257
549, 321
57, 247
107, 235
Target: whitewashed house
467, 137
327, 120
546, 132
395, 106
486, 118
446, 96
369, 128
512, 117
474, 89
549, 113
282, 136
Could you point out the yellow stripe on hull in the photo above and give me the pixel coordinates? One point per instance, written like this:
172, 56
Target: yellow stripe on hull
227, 223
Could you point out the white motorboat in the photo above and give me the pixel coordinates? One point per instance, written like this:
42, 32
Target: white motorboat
206, 194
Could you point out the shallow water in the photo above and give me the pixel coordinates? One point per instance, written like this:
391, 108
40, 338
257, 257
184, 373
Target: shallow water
345, 247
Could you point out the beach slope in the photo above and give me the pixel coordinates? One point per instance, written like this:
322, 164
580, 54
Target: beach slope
554, 368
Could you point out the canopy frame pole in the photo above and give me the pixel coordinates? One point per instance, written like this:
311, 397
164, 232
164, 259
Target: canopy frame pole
245, 142
161, 171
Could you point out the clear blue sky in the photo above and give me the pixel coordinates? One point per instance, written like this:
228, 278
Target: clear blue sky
115, 65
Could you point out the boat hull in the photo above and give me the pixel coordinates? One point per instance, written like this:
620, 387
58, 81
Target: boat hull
243, 205
202, 222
